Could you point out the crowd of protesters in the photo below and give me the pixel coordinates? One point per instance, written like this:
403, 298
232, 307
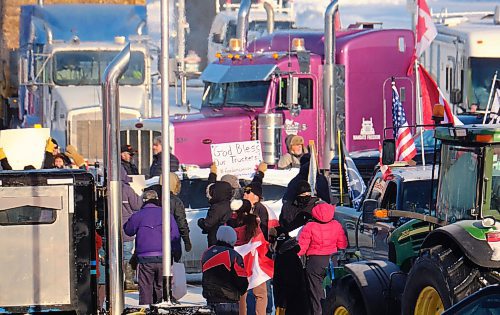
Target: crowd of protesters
237, 223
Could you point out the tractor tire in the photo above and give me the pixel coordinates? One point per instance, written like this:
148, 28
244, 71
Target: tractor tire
439, 278
344, 298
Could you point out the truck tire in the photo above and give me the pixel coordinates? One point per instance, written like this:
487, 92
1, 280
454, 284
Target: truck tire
344, 298
439, 278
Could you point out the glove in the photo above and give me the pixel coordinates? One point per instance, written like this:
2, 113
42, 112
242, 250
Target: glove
213, 168
280, 311
188, 246
2, 154
72, 153
49, 145
262, 167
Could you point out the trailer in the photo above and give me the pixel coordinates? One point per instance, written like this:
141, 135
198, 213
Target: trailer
464, 57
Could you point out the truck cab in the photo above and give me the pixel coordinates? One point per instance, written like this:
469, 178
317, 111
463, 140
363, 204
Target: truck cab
407, 188
464, 57
61, 67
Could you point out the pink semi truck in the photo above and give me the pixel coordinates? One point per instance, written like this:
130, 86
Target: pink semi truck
283, 84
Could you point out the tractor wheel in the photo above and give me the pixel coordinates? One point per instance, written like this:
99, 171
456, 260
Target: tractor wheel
344, 298
439, 278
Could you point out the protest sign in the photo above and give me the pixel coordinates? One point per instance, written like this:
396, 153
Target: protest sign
236, 158
25, 146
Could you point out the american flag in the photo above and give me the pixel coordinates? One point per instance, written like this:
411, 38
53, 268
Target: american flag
405, 147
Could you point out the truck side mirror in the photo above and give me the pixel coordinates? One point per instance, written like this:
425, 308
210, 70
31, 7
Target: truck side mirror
292, 92
456, 96
217, 38
388, 151
369, 205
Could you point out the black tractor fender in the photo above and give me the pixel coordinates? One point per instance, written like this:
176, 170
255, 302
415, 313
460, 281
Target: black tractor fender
477, 251
380, 283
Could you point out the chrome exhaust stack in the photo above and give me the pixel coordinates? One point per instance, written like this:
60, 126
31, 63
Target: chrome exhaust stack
270, 17
329, 95
242, 26
112, 164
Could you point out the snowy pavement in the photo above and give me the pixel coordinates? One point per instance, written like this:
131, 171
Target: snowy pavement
193, 297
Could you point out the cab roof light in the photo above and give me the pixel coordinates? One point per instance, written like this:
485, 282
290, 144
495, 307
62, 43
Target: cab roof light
381, 213
235, 44
237, 56
276, 56
438, 113
484, 138
230, 56
298, 44
249, 56
218, 55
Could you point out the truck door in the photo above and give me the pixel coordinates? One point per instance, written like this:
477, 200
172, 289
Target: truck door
301, 119
35, 245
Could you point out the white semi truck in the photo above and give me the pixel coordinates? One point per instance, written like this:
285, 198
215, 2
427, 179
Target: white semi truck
464, 57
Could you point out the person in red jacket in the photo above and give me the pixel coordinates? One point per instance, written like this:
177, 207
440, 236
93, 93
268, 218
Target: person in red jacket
319, 239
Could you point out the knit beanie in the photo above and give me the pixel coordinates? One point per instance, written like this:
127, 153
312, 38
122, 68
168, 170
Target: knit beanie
232, 180
226, 234
303, 187
255, 188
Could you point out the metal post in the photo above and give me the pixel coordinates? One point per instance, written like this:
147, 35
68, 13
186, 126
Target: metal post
329, 108
181, 48
165, 151
111, 140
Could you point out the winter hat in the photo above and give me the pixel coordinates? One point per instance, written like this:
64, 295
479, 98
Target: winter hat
149, 195
297, 140
303, 187
254, 188
241, 205
236, 204
226, 234
232, 180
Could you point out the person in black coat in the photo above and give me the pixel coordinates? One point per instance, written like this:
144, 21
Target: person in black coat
295, 214
322, 187
219, 196
290, 289
156, 164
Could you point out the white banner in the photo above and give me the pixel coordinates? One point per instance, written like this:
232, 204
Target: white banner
25, 146
236, 158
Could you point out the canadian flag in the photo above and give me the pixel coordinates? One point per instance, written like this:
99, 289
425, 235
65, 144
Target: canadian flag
426, 30
432, 95
258, 266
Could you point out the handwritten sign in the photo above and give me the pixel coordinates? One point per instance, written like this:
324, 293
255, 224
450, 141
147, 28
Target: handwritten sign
236, 158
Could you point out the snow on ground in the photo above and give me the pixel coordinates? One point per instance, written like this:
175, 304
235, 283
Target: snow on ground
193, 297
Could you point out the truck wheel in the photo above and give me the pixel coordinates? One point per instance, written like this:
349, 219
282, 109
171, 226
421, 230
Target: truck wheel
439, 278
344, 298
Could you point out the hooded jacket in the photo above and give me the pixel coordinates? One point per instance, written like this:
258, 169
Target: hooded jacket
219, 211
322, 187
131, 202
323, 235
147, 226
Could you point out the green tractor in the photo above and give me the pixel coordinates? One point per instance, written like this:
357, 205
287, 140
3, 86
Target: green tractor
437, 258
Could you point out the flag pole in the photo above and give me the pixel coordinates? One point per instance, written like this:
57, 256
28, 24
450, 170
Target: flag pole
418, 99
340, 156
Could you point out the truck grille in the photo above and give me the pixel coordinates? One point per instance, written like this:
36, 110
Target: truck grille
142, 141
85, 132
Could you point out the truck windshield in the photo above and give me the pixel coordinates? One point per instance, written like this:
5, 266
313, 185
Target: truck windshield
495, 183
416, 195
458, 183
236, 94
87, 67
483, 70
